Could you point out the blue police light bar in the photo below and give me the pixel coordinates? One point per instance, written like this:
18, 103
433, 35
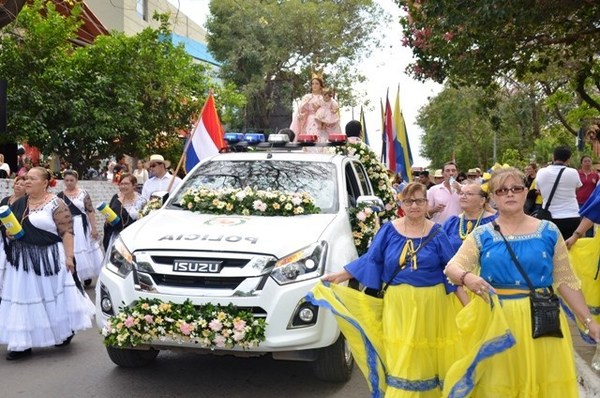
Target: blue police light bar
234, 138
254, 138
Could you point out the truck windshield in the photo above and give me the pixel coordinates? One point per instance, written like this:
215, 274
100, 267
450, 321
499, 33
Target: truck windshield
318, 179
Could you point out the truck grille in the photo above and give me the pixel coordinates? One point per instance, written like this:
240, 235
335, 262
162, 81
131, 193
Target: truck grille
227, 262
196, 281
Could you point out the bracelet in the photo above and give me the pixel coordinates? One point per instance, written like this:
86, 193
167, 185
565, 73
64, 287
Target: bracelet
462, 277
586, 323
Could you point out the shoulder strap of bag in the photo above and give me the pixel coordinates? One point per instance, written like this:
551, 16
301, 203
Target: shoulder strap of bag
554, 188
514, 256
432, 234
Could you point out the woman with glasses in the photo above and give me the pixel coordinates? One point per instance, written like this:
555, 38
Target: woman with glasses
127, 205
88, 255
405, 348
475, 212
496, 327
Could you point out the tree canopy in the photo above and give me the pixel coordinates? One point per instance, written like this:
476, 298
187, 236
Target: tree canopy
270, 47
119, 95
549, 45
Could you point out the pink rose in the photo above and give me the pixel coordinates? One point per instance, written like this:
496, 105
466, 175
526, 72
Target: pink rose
186, 328
215, 325
239, 324
219, 341
239, 335
149, 320
129, 321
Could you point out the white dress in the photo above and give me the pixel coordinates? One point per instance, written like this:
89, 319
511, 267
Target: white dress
42, 310
87, 251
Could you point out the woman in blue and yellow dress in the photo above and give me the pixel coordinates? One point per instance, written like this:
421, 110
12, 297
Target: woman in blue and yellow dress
405, 343
475, 212
510, 362
584, 254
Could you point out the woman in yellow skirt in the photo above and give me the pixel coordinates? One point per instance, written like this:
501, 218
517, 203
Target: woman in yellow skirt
541, 367
405, 343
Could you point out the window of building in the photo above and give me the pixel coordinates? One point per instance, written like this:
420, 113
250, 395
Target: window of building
142, 9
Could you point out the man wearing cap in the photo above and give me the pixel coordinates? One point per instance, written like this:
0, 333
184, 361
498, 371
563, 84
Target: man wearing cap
438, 177
443, 198
473, 175
160, 180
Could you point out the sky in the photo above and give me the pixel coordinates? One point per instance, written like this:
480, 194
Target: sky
384, 69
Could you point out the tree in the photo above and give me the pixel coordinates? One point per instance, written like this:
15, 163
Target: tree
9, 9
269, 47
119, 95
459, 123
551, 42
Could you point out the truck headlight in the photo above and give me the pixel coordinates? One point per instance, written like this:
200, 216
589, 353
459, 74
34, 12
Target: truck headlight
304, 264
120, 261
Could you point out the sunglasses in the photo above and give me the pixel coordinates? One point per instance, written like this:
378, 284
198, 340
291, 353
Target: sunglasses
153, 165
410, 202
513, 189
469, 194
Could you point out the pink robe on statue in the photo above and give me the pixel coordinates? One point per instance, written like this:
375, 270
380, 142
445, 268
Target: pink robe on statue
304, 121
329, 116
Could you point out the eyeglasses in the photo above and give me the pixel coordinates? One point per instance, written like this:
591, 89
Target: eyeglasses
513, 189
410, 202
469, 194
153, 165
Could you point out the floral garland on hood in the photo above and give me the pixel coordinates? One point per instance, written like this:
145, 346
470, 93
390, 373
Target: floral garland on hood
364, 223
209, 326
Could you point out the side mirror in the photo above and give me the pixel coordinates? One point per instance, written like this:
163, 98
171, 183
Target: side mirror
161, 196
371, 201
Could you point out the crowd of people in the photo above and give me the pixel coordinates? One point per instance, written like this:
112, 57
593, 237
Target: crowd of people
44, 272
456, 236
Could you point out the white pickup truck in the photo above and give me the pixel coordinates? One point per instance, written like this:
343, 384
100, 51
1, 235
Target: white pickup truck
175, 254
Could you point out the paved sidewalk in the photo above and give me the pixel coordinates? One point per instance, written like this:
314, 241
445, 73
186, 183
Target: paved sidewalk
584, 352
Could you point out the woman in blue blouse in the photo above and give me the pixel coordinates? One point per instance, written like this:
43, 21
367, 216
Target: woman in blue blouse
405, 344
514, 364
475, 212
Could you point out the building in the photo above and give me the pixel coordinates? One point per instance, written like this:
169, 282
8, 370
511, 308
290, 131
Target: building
133, 16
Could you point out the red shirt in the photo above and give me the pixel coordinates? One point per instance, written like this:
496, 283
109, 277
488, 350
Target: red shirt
589, 182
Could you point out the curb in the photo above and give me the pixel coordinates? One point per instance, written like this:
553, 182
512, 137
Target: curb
587, 378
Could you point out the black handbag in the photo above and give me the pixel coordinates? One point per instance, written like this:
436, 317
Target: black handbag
543, 213
545, 306
381, 292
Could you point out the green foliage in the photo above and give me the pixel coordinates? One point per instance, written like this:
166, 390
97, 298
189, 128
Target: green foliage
119, 95
460, 123
268, 48
551, 43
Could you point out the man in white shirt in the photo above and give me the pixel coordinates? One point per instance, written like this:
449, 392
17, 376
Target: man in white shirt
443, 199
160, 179
563, 207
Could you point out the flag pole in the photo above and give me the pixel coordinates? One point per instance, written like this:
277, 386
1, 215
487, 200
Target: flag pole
188, 142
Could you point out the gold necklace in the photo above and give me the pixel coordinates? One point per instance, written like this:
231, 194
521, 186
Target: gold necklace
470, 227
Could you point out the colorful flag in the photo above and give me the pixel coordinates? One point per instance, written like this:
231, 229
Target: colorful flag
364, 136
389, 148
206, 139
403, 153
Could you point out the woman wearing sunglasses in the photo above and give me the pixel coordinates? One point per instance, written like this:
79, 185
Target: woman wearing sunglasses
504, 359
475, 212
412, 341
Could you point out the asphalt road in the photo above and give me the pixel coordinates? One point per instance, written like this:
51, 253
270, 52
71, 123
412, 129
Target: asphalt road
83, 369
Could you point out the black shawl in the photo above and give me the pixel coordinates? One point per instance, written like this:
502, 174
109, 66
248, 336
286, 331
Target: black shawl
75, 211
37, 249
126, 220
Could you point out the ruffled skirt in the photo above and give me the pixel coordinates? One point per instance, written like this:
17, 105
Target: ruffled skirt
503, 360
41, 311
88, 254
403, 344
585, 260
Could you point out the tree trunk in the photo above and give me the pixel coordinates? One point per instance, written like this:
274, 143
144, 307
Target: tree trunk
9, 9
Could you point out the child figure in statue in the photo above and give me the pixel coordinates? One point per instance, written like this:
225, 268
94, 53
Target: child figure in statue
329, 116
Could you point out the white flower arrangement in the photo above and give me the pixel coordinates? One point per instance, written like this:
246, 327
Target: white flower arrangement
209, 326
150, 206
249, 201
365, 222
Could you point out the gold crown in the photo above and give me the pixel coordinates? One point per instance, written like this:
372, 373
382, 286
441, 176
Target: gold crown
317, 74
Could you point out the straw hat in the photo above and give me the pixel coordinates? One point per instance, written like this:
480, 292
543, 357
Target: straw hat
156, 158
472, 172
438, 174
